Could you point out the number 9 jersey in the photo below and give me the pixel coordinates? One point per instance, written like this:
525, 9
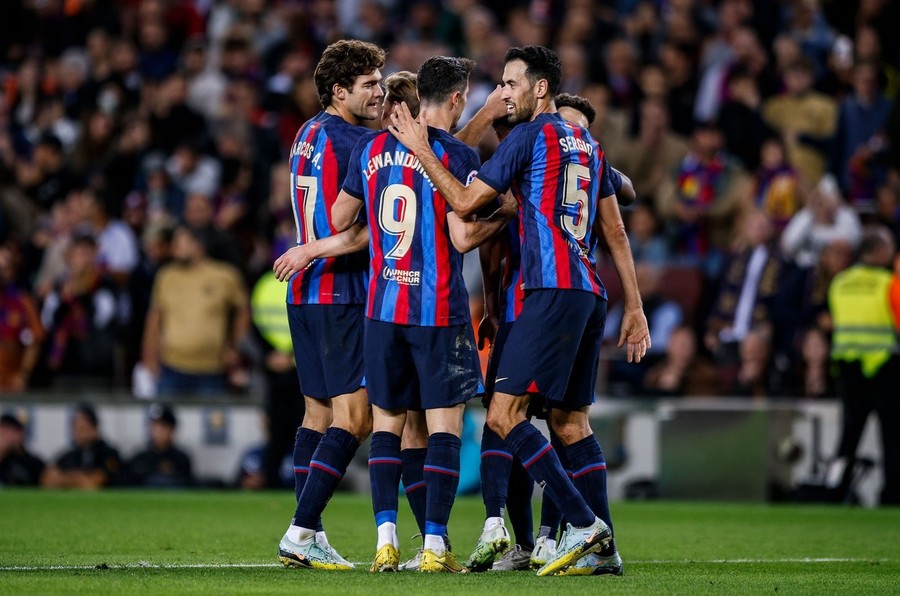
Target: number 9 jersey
318, 164
416, 272
555, 169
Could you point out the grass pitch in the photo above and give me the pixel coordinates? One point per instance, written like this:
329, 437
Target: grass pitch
120, 542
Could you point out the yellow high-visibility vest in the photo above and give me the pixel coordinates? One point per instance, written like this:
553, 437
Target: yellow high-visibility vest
267, 303
859, 299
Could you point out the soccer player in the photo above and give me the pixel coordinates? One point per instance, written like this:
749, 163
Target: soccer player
556, 172
419, 346
504, 482
325, 299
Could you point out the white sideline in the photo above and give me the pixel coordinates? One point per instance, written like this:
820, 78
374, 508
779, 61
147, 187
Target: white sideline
145, 565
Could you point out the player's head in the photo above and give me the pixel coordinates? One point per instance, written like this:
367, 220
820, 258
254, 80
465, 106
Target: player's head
444, 81
530, 74
399, 87
576, 109
348, 77
502, 126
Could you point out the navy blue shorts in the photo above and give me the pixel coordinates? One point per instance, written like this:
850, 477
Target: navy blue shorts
537, 405
328, 348
553, 348
410, 367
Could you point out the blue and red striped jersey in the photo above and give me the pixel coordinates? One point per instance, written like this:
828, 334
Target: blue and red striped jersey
319, 158
416, 272
555, 169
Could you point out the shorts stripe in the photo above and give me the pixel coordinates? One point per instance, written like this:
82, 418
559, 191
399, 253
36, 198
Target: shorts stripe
385, 460
414, 486
325, 467
536, 456
440, 470
496, 453
588, 470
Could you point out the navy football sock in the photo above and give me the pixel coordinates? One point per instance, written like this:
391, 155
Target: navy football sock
518, 506
414, 483
541, 462
551, 516
384, 476
305, 444
441, 473
589, 475
326, 468
496, 462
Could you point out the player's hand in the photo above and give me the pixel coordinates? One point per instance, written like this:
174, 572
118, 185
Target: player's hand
295, 259
413, 134
494, 106
635, 333
509, 206
487, 329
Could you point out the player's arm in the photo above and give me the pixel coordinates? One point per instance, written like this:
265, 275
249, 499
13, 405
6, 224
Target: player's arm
625, 193
464, 200
494, 107
466, 234
490, 255
635, 330
298, 258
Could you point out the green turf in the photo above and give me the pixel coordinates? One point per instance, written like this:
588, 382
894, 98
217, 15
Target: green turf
60, 537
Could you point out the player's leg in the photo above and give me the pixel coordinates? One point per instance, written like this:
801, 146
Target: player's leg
496, 462
328, 342
518, 507
570, 421
538, 358
551, 516
392, 385
384, 479
447, 364
413, 449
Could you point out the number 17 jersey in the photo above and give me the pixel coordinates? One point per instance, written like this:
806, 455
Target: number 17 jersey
416, 272
318, 162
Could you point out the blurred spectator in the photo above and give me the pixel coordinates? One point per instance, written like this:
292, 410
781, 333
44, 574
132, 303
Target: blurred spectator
18, 467
199, 314
156, 251
172, 121
777, 190
82, 314
825, 218
664, 316
46, 179
654, 154
648, 244
887, 208
91, 463
753, 378
117, 247
806, 120
162, 464
747, 289
284, 402
814, 350
192, 171
865, 309
683, 371
859, 157
678, 62
220, 245
702, 201
21, 332
740, 119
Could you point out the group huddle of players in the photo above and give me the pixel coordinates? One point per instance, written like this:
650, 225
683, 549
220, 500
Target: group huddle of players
383, 340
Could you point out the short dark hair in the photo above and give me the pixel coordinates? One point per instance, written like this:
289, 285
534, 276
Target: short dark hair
540, 63
342, 62
874, 238
89, 413
576, 102
441, 76
400, 87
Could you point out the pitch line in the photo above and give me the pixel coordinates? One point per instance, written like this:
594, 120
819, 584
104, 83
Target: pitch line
362, 565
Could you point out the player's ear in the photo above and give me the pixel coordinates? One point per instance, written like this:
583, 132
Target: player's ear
339, 92
540, 88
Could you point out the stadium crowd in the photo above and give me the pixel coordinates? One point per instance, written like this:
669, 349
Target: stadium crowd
144, 146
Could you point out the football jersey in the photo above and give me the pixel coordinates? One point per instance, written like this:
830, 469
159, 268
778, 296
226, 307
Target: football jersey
513, 292
556, 171
318, 161
416, 272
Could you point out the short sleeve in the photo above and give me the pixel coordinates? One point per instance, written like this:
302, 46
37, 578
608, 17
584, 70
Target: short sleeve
512, 154
606, 184
614, 177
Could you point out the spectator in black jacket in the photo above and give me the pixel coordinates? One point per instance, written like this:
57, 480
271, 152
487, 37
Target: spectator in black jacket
18, 467
162, 464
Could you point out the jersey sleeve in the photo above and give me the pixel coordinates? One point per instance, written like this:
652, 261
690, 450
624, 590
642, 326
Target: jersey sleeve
607, 187
500, 170
614, 177
353, 184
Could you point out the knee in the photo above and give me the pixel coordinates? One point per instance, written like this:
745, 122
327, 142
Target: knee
569, 431
317, 420
360, 425
500, 422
